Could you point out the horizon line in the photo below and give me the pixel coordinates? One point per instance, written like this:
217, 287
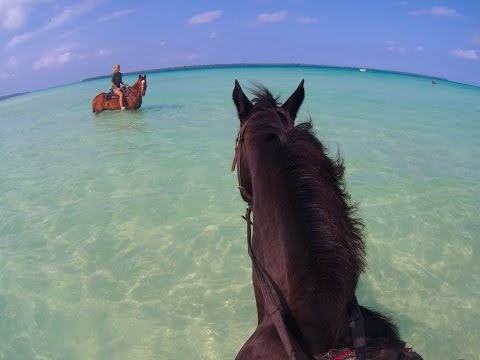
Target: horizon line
244, 65
253, 65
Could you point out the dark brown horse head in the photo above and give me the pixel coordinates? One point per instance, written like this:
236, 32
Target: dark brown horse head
279, 116
307, 245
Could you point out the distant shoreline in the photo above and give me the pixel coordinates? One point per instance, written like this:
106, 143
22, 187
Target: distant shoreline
253, 65
5, 97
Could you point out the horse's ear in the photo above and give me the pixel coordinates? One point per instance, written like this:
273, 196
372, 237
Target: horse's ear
294, 102
139, 76
243, 105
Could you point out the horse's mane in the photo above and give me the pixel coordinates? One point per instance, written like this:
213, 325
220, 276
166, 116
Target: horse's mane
337, 248
337, 244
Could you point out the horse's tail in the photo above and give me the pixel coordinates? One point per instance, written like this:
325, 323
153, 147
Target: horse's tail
97, 105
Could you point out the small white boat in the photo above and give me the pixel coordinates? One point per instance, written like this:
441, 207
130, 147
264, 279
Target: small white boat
363, 69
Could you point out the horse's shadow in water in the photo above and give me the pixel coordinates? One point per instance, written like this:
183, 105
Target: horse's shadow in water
162, 107
307, 246
123, 120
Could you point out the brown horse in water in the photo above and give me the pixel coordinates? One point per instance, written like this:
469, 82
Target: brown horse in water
307, 247
132, 95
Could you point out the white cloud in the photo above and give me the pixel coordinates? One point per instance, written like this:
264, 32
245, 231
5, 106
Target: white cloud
103, 53
393, 47
465, 54
72, 31
115, 15
18, 39
306, 20
13, 14
57, 21
212, 35
277, 16
55, 57
205, 17
71, 12
435, 11
419, 48
11, 64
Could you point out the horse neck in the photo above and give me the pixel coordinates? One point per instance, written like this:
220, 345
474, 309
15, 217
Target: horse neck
137, 85
289, 236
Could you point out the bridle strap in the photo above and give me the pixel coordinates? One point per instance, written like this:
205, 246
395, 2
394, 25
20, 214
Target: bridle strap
235, 155
272, 301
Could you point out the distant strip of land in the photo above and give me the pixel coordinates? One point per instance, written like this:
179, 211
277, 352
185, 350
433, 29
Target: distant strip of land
4, 97
228, 66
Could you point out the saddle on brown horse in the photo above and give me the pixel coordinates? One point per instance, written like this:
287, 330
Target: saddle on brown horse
112, 95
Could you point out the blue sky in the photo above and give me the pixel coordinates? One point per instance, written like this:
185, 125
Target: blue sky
46, 43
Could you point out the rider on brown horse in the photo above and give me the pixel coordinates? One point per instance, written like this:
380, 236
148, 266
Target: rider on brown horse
132, 96
116, 84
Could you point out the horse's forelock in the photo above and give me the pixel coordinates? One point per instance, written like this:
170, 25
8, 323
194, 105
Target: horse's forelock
263, 97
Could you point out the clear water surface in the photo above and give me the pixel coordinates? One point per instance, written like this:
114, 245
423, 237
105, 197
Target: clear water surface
121, 236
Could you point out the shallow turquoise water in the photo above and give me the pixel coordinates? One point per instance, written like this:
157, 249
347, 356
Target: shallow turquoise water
121, 235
